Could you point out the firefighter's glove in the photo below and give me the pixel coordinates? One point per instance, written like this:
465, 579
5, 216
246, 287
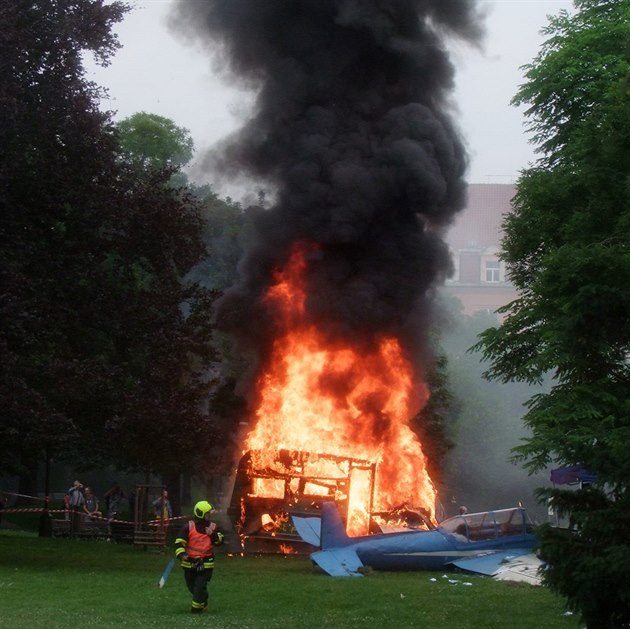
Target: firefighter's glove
183, 557
198, 565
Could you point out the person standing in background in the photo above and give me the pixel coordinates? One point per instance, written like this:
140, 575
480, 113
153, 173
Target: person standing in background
76, 500
90, 506
163, 510
113, 497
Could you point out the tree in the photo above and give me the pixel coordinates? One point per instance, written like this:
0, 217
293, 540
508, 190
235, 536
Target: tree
153, 142
566, 247
163, 334
106, 347
51, 128
431, 424
226, 226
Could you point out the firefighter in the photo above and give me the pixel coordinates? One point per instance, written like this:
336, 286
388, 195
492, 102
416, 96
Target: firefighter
193, 549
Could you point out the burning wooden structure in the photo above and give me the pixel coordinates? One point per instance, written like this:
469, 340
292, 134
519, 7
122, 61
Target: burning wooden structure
266, 495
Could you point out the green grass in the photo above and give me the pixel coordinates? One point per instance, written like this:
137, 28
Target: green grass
71, 583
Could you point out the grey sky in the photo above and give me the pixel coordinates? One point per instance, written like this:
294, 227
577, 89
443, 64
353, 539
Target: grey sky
160, 74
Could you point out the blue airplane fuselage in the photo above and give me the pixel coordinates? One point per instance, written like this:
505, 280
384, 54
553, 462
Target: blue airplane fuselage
459, 538
423, 550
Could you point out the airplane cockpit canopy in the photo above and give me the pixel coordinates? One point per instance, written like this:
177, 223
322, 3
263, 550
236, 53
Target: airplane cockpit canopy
477, 527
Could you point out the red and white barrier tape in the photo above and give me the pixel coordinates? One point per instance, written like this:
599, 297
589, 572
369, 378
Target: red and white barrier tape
155, 522
32, 510
92, 517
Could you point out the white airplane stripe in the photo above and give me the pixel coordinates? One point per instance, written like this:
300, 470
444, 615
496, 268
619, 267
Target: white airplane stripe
442, 553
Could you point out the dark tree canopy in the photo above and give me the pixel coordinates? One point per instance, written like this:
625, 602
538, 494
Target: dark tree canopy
567, 246
50, 125
105, 347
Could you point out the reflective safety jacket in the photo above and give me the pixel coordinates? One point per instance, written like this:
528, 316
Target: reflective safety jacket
194, 541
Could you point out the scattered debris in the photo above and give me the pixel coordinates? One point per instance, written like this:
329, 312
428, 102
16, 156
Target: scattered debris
524, 569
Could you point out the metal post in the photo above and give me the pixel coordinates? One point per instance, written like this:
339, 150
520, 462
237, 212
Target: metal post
45, 521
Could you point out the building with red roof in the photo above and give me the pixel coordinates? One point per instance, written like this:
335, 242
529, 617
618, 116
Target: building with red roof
480, 281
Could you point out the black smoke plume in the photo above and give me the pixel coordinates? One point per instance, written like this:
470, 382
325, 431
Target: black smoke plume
352, 130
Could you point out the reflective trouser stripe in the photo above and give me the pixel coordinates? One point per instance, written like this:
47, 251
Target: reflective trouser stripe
196, 605
206, 564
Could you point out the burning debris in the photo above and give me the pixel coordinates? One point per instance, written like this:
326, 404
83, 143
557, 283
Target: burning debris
352, 132
268, 490
403, 517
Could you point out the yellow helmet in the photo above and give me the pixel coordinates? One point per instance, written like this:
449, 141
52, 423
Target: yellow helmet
202, 508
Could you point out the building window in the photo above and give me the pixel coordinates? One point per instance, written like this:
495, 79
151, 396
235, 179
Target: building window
455, 277
493, 271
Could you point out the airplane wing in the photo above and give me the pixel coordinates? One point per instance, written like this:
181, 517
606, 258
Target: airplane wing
309, 529
339, 562
489, 562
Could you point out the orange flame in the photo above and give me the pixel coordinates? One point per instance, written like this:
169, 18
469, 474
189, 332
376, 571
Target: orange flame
339, 400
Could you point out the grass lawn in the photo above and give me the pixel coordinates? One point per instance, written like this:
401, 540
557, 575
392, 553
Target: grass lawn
71, 583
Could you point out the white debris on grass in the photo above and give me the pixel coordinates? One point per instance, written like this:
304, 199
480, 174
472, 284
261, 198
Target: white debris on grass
526, 569
451, 581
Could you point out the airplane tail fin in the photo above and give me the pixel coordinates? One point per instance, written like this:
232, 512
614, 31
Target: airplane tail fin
333, 533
